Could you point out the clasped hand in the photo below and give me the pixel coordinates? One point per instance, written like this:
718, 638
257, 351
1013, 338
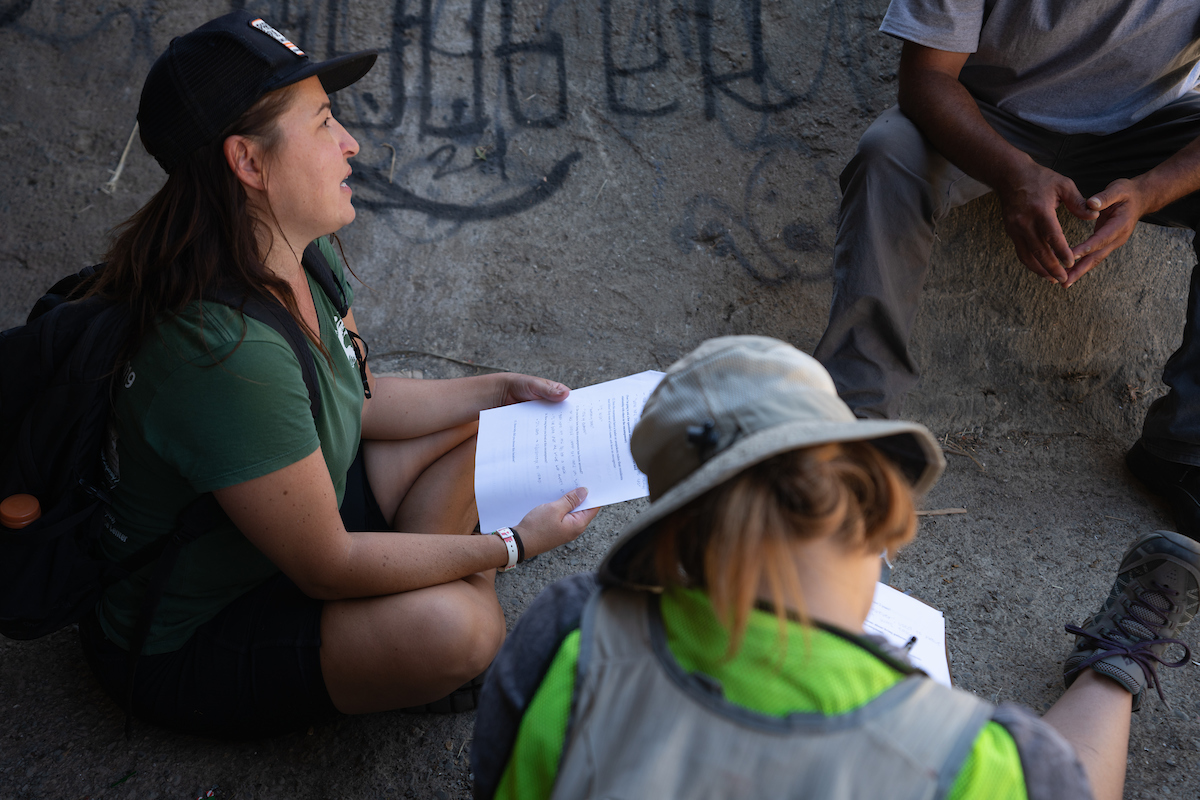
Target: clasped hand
1030, 220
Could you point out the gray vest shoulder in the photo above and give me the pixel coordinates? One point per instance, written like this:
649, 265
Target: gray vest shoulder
642, 727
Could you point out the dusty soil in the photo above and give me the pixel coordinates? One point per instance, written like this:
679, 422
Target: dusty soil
589, 189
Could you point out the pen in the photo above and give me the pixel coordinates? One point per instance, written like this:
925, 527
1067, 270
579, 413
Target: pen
908, 646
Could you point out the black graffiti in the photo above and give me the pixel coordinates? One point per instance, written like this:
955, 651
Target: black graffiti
11, 12
388, 196
551, 45
427, 77
467, 131
758, 73
711, 222
613, 74
706, 37
461, 124
415, 24
714, 224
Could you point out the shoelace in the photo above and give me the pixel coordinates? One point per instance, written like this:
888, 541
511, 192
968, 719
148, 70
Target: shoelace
1139, 650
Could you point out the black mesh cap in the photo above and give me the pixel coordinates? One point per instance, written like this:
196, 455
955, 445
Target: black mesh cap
211, 76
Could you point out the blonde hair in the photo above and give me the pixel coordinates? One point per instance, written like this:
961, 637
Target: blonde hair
736, 537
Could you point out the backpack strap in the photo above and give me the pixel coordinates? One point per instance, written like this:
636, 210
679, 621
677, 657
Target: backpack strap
65, 289
318, 267
277, 317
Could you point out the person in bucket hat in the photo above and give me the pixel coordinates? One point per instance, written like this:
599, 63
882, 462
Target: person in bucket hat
339, 578
719, 652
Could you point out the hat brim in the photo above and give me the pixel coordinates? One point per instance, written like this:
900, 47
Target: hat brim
335, 73
910, 445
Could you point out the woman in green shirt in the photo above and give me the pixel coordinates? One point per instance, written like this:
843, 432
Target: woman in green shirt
287, 609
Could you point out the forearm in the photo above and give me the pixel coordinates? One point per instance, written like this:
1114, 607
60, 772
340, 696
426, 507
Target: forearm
1174, 178
946, 113
370, 564
291, 515
405, 408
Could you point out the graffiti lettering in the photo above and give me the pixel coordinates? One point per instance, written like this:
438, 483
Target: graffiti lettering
551, 46
613, 73
467, 114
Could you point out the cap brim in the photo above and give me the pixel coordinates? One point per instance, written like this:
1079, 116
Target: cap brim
910, 445
336, 73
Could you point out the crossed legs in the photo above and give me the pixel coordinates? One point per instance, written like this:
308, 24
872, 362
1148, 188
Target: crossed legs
411, 648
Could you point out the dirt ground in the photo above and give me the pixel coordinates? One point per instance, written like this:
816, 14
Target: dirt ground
584, 189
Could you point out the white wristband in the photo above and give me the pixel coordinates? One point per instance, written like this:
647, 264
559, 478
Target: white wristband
510, 542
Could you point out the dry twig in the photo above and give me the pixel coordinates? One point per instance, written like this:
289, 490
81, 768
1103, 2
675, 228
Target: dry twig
941, 512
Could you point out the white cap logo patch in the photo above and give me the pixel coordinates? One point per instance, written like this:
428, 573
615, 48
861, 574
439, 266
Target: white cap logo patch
276, 35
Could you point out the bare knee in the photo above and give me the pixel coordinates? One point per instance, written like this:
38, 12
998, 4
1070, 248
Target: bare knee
894, 147
470, 630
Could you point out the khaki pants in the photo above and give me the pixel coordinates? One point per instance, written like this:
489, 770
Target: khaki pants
896, 189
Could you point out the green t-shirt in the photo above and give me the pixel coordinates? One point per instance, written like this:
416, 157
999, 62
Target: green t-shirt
820, 672
192, 417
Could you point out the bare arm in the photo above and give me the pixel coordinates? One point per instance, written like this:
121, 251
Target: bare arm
405, 408
1124, 201
291, 515
934, 99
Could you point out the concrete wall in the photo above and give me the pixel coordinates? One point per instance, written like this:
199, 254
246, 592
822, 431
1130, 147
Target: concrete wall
592, 187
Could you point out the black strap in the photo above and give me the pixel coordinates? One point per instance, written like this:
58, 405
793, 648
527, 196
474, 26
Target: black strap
318, 267
275, 314
360, 357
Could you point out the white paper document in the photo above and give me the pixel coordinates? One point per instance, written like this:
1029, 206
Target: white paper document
532, 453
898, 617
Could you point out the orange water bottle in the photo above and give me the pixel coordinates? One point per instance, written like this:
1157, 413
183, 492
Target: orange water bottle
19, 510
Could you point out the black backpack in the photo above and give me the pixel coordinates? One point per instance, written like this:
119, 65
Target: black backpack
56, 380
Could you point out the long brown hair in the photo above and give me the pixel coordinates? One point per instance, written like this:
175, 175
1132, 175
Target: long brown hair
196, 233
737, 537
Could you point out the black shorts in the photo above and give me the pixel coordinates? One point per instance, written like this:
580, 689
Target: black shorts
360, 510
253, 670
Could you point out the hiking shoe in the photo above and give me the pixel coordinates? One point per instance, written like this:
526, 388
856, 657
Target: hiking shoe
464, 698
1157, 593
1178, 484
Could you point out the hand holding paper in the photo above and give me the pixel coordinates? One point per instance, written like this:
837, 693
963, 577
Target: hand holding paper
533, 453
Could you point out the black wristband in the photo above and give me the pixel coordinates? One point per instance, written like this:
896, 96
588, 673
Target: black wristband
520, 546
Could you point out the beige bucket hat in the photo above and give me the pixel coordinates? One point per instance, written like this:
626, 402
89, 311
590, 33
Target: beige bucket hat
738, 400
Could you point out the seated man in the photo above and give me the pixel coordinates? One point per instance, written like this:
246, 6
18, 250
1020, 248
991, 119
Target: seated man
1087, 104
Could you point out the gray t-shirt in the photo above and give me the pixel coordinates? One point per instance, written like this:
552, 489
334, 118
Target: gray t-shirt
1072, 66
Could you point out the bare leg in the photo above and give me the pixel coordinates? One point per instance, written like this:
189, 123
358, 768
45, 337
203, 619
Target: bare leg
442, 499
1093, 715
410, 473
411, 648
